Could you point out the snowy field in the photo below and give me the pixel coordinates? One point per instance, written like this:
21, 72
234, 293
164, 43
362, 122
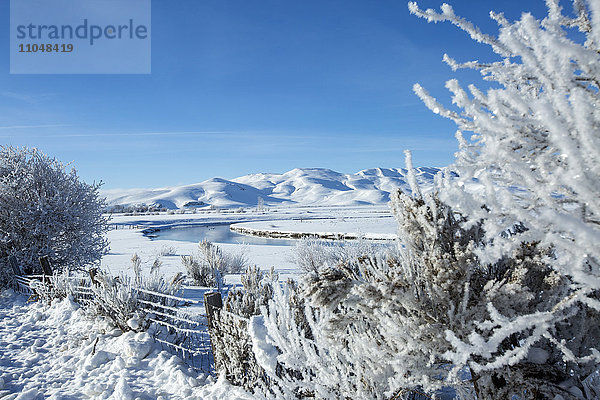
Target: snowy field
370, 221
126, 242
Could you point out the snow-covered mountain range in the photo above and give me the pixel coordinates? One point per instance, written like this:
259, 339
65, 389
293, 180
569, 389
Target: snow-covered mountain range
305, 186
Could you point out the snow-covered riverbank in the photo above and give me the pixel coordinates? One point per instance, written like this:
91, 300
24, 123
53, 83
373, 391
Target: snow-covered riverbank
371, 228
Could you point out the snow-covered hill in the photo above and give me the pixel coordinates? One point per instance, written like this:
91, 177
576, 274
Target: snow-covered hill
305, 186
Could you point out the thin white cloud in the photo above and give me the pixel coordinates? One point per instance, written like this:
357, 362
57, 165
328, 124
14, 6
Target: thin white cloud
28, 98
174, 133
216, 133
8, 127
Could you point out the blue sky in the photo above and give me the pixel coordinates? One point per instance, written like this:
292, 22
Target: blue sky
246, 86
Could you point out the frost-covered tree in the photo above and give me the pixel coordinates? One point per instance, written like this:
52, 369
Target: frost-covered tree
535, 134
47, 211
532, 162
260, 204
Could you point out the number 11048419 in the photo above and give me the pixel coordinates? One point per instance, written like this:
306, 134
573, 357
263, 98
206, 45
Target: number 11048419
45, 48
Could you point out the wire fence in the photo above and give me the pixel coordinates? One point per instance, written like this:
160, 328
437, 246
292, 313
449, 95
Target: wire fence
176, 322
179, 327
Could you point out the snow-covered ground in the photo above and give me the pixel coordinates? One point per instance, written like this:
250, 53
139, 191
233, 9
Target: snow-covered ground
57, 352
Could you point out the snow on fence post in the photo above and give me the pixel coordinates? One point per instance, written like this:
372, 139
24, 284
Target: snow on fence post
212, 303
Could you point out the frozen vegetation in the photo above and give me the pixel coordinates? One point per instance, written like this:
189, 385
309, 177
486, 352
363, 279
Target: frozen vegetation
493, 290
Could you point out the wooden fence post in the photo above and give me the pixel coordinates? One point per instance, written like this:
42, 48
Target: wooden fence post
46, 270
12, 260
45, 263
212, 303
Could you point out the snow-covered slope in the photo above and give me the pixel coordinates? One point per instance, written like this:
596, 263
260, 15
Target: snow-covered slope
305, 186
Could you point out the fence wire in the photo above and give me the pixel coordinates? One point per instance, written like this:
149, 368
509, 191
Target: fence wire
175, 321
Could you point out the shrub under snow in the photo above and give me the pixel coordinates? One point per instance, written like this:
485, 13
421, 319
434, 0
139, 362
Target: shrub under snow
209, 266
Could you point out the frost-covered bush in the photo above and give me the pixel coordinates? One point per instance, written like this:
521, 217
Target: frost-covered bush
58, 286
47, 211
256, 291
209, 266
200, 272
535, 135
384, 324
373, 323
533, 162
226, 263
165, 251
119, 298
115, 298
472, 302
311, 254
